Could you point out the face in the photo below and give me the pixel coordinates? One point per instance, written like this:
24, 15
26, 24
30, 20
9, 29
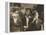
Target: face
27, 12
16, 12
15, 17
23, 11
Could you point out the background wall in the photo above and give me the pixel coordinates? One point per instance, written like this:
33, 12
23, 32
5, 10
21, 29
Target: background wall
2, 17
27, 5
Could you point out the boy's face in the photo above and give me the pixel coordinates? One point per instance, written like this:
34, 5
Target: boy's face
27, 12
16, 12
15, 17
23, 11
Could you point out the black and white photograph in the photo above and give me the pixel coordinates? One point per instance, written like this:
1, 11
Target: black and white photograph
26, 17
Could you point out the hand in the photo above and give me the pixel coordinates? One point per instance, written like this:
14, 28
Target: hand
25, 26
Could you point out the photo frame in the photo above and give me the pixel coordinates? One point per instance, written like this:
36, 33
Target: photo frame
28, 22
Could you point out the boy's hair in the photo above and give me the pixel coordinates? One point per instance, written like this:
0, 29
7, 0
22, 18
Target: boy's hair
28, 9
